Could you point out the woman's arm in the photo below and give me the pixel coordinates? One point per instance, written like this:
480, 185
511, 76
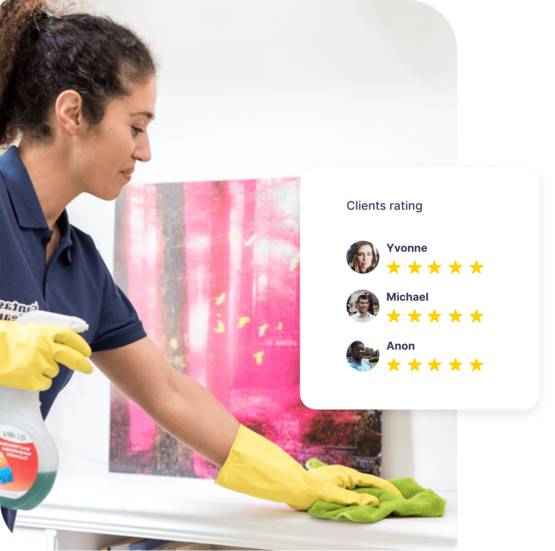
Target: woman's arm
251, 464
178, 404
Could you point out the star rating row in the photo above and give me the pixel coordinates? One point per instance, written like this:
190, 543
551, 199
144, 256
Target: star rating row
434, 316
435, 365
435, 268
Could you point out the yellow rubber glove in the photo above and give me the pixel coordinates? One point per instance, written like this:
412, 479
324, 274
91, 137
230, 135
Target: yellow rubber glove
257, 467
29, 354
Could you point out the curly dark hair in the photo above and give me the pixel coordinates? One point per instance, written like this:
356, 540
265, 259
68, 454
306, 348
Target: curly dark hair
45, 53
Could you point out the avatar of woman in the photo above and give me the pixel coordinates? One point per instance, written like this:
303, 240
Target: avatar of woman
364, 257
78, 93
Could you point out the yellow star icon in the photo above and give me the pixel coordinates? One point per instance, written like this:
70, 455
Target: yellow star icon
414, 365
476, 268
455, 316
394, 316
476, 365
414, 316
455, 365
434, 316
455, 267
394, 267
476, 316
393, 365
414, 268
434, 267
434, 365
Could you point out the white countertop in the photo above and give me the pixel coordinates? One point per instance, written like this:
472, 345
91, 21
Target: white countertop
185, 509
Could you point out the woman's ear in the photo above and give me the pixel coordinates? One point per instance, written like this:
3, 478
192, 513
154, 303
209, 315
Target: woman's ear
68, 112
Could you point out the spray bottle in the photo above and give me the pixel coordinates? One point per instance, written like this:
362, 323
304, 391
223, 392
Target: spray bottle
28, 454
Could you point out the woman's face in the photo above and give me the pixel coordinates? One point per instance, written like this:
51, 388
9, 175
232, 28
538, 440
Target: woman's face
364, 257
106, 155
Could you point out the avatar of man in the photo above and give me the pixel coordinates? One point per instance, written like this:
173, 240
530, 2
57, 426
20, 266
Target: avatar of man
363, 309
357, 353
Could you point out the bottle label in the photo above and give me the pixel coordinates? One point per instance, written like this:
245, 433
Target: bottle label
18, 462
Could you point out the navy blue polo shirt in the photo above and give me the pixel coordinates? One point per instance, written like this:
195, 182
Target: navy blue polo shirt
75, 281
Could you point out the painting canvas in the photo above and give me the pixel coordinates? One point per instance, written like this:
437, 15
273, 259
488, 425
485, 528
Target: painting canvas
213, 271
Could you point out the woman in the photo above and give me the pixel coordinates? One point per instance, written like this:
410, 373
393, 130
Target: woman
79, 93
363, 257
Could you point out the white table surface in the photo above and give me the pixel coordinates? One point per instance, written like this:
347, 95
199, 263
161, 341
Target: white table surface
185, 509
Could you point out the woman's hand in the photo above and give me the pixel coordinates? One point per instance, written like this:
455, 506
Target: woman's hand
257, 467
30, 353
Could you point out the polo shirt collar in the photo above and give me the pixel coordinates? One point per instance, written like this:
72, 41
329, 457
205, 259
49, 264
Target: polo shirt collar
24, 198
22, 193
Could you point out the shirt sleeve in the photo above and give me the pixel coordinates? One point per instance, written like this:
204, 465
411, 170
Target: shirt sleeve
119, 322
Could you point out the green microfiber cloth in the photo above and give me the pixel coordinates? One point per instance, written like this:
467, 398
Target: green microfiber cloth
416, 502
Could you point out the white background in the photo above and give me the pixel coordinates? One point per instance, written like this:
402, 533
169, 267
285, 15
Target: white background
506, 115
506, 90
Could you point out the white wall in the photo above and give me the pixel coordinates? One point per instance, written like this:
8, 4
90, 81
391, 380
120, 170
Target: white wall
255, 88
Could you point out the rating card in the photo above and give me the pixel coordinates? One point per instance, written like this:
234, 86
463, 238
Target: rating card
420, 288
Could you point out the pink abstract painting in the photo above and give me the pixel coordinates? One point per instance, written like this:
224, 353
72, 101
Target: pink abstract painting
213, 271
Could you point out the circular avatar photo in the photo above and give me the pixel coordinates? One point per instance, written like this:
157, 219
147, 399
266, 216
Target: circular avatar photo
361, 357
362, 257
363, 306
